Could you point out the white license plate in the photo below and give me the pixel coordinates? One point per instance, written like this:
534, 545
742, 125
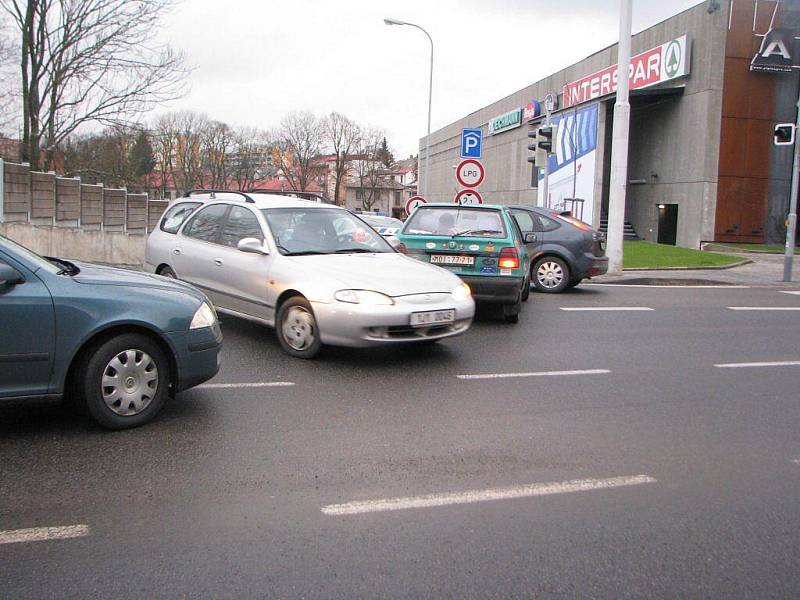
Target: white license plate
433, 317
451, 259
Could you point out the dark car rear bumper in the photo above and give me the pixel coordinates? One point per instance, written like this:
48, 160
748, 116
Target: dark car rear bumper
597, 265
493, 289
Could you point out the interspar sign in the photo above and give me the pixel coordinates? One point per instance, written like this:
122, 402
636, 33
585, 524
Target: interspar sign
663, 63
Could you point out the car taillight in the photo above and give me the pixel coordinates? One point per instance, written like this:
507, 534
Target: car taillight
508, 258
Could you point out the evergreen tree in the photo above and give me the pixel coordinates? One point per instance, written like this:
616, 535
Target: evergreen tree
141, 159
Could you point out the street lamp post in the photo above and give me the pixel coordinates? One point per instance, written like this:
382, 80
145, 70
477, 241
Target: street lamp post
430, 98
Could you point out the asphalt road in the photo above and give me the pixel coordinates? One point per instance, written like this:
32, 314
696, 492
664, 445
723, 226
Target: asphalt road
233, 491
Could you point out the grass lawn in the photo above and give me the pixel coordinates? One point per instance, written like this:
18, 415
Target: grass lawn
641, 255
774, 248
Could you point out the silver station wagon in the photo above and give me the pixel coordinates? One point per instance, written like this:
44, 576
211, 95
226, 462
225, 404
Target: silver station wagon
315, 272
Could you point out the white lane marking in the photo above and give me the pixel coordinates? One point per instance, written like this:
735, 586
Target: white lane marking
43, 534
605, 308
764, 307
210, 386
535, 374
795, 293
675, 287
471, 496
796, 461
783, 363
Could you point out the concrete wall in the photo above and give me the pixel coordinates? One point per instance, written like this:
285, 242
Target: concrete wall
684, 156
57, 216
109, 247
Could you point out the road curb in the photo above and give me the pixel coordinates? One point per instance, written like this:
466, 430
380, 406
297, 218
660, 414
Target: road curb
744, 261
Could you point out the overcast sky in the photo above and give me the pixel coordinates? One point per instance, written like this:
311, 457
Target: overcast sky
255, 60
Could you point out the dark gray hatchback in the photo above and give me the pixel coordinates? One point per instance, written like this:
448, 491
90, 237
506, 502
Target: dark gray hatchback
564, 251
115, 342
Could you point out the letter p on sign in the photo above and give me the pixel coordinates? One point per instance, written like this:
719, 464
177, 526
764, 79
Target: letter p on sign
471, 143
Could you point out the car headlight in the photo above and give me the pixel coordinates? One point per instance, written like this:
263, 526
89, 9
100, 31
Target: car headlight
461, 292
363, 297
203, 317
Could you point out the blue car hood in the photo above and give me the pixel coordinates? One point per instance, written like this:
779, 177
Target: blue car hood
93, 274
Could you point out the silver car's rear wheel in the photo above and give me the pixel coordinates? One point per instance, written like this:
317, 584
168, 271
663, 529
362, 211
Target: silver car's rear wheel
297, 328
130, 382
551, 274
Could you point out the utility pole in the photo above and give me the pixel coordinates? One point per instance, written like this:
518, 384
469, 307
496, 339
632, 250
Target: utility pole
791, 229
619, 149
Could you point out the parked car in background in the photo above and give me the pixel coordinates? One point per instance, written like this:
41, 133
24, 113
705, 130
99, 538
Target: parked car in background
481, 244
317, 273
564, 250
116, 342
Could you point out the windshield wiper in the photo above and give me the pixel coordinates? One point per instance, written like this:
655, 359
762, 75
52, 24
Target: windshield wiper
474, 231
67, 268
305, 253
354, 251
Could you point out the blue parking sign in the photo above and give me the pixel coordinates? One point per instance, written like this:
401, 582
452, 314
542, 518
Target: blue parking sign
471, 143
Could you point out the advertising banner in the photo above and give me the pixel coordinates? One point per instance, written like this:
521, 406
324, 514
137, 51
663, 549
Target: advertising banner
572, 166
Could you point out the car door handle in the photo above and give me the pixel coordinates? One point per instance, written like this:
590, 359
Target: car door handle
218, 262
176, 251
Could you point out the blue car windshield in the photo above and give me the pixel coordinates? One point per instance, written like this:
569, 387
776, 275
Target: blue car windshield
34, 260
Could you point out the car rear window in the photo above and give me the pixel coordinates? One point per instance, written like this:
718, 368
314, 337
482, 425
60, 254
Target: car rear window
175, 216
455, 221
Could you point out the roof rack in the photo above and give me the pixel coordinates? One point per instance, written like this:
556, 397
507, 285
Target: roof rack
314, 196
215, 192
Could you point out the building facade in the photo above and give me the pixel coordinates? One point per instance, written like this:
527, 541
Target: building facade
702, 164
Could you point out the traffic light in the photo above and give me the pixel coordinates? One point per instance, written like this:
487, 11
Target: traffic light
784, 134
532, 146
544, 138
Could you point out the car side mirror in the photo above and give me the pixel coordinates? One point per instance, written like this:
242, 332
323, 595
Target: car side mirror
9, 275
529, 237
251, 245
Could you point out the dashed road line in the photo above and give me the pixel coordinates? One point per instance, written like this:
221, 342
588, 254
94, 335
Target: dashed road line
473, 496
781, 363
217, 386
605, 308
796, 461
535, 374
43, 534
764, 308
674, 287
787, 292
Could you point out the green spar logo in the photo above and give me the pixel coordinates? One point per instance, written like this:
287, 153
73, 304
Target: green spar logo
673, 63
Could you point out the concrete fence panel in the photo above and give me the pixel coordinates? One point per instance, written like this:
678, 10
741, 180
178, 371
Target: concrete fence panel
155, 208
114, 209
68, 202
17, 191
91, 206
43, 196
136, 213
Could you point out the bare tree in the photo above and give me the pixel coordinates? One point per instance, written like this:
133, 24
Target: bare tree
189, 158
218, 143
370, 174
89, 61
299, 142
9, 88
251, 161
343, 136
164, 136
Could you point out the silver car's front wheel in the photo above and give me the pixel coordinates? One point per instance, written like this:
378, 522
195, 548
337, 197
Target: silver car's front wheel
551, 274
297, 328
130, 382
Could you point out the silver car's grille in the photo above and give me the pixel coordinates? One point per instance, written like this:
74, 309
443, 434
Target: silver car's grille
423, 298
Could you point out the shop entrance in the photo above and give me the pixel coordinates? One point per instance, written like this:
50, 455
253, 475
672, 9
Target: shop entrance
667, 224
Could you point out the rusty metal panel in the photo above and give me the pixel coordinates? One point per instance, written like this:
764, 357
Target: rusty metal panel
741, 209
746, 94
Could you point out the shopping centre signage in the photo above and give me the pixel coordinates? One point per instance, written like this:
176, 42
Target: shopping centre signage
777, 52
657, 65
504, 122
